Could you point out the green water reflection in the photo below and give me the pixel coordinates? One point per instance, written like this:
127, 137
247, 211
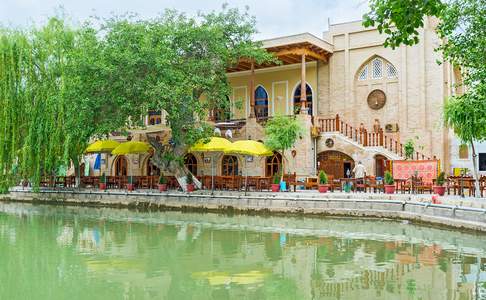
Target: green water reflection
51, 252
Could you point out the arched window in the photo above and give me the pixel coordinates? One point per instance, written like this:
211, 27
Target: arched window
121, 166
308, 94
152, 170
154, 117
190, 162
273, 164
229, 165
261, 103
377, 68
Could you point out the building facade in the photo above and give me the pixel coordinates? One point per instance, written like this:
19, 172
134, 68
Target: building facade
356, 99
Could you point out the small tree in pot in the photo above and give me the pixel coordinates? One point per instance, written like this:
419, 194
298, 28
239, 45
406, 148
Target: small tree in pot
190, 182
323, 182
439, 187
130, 184
103, 182
276, 183
389, 183
162, 183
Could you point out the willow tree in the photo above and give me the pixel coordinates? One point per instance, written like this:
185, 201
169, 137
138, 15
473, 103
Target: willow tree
32, 108
175, 63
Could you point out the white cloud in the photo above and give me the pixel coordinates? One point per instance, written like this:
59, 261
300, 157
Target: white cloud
274, 17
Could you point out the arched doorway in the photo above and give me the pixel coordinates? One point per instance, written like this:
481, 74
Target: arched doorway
121, 166
152, 170
190, 162
381, 163
308, 95
273, 164
335, 163
261, 103
229, 165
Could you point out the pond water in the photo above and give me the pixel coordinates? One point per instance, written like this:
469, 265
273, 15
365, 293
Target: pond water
49, 252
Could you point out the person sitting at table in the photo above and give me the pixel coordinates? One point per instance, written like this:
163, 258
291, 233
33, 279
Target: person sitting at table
359, 173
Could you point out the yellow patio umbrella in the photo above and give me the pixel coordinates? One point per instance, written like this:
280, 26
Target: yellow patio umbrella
248, 148
102, 146
131, 147
214, 145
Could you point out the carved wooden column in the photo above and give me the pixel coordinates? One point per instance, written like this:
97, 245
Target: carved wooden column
303, 94
252, 90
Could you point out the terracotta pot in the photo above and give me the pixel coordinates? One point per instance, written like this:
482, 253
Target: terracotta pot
439, 190
162, 187
190, 187
389, 189
102, 186
275, 187
323, 188
130, 187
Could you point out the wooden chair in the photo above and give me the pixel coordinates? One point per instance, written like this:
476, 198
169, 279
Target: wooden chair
311, 183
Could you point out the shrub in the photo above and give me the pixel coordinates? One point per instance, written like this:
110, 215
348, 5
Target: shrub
440, 179
323, 177
162, 179
276, 178
389, 178
130, 179
103, 178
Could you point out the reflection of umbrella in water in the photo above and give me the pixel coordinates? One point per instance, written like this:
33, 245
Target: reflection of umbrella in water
248, 148
214, 145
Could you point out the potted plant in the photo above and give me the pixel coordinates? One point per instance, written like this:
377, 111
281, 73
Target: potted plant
439, 187
162, 183
323, 182
276, 183
190, 182
102, 183
130, 185
389, 183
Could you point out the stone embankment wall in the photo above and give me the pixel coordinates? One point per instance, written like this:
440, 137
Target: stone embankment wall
356, 205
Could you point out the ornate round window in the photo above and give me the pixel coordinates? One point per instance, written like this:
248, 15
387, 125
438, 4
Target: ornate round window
376, 99
329, 143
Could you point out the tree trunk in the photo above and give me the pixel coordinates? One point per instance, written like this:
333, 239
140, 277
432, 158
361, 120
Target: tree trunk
173, 167
77, 173
477, 191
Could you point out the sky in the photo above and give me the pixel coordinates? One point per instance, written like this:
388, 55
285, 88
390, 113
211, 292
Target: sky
274, 17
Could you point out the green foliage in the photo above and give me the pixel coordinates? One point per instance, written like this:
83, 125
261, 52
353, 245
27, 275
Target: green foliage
440, 178
282, 132
103, 178
189, 178
389, 178
162, 179
130, 179
409, 148
399, 19
276, 178
60, 86
323, 177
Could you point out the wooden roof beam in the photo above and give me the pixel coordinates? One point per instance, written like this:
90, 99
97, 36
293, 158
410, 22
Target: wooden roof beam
300, 51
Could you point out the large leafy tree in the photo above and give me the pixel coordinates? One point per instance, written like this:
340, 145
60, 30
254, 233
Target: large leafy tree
462, 25
176, 63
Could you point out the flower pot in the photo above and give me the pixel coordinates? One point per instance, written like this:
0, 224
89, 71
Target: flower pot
102, 186
190, 187
130, 187
162, 187
323, 188
389, 189
275, 187
439, 190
